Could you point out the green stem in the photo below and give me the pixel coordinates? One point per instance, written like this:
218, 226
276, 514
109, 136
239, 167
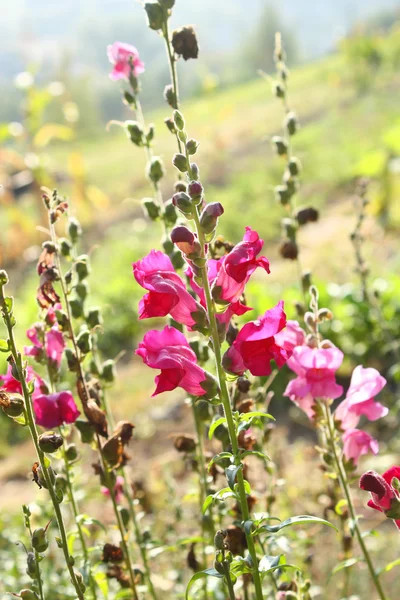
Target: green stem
172, 68
341, 472
35, 437
228, 581
227, 405
39, 576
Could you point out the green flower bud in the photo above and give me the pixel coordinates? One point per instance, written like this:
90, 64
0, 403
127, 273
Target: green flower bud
282, 194
151, 208
72, 360
167, 245
155, 169
61, 483
82, 289
129, 98
219, 539
28, 595
82, 266
150, 133
179, 161
194, 171
135, 132
50, 442
65, 247
84, 341
279, 90
289, 228
74, 230
3, 277
178, 120
124, 512
12, 404
294, 166
291, 123
170, 125
94, 317
76, 306
155, 15
39, 540
170, 97
170, 214
71, 452
192, 146
209, 216
68, 277
86, 431
31, 568
177, 260
183, 202
108, 371
280, 145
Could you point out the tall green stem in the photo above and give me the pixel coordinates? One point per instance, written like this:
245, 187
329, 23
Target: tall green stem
172, 68
35, 437
341, 472
229, 582
227, 405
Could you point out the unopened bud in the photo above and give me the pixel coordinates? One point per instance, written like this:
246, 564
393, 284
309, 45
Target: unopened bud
306, 280
184, 42
179, 161
39, 540
71, 452
170, 125
192, 146
288, 249
170, 214
294, 166
185, 241
27, 595
280, 145
135, 132
194, 171
279, 90
82, 266
180, 186
12, 404
183, 202
195, 191
76, 306
155, 15
94, 317
324, 314
291, 123
84, 341
289, 228
168, 4
50, 441
155, 169
209, 216
82, 289
169, 95
108, 371
243, 385
177, 260
178, 120
74, 229
150, 133
309, 320
3, 277
307, 215
31, 565
219, 539
151, 208
65, 247
72, 360
282, 194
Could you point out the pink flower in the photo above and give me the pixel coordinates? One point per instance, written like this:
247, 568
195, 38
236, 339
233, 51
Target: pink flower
255, 345
290, 337
356, 443
169, 351
384, 496
315, 369
235, 269
52, 410
118, 489
55, 345
125, 59
11, 385
51, 318
167, 292
364, 386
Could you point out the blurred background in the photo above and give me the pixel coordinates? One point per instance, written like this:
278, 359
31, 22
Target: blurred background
344, 83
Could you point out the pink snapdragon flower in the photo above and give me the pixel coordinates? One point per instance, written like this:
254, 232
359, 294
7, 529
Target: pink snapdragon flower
125, 59
234, 270
167, 291
53, 410
169, 351
11, 385
356, 443
384, 496
360, 398
315, 369
118, 489
290, 337
255, 345
53, 345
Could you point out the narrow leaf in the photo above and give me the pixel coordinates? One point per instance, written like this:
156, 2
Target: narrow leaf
214, 426
199, 575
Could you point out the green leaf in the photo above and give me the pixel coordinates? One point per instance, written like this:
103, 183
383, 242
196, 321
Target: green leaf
199, 575
4, 347
123, 594
268, 563
8, 302
239, 566
300, 519
214, 426
345, 564
391, 565
257, 413
86, 520
207, 503
218, 457
231, 473
102, 581
255, 453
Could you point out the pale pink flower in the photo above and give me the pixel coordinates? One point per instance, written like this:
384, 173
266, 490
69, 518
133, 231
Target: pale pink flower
356, 443
118, 489
125, 59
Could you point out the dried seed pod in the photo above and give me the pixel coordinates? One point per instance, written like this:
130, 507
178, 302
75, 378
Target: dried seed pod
184, 42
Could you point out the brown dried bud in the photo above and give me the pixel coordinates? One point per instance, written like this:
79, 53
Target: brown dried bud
112, 553
246, 440
246, 406
307, 215
184, 443
289, 249
243, 385
113, 449
50, 441
12, 404
184, 42
236, 539
191, 559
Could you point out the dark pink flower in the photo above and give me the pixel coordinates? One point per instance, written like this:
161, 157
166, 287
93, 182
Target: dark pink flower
360, 398
255, 346
118, 489
169, 351
53, 410
125, 59
315, 369
235, 269
10, 384
50, 317
290, 337
384, 496
55, 345
36, 350
356, 443
167, 292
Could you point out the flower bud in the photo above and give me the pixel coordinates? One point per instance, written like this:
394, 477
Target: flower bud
179, 161
185, 240
65, 247
84, 341
219, 539
170, 214
71, 452
170, 125
195, 191
210, 386
50, 442
76, 306
150, 133
39, 540
282, 194
324, 314
184, 42
307, 215
279, 90
82, 289
3, 277
280, 144
185, 443
74, 229
209, 216
94, 317
12, 404
291, 123
31, 565
129, 99
155, 15
243, 385
72, 361
202, 410
82, 266
288, 249
294, 166
183, 202
86, 431
180, 186
289, 228
134, 132
167, 245
151, 208
177, 260
169, 95
155, 169
178, 120
192, 146
124, 512
306, 280
194, 171
108, 371
61, 484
